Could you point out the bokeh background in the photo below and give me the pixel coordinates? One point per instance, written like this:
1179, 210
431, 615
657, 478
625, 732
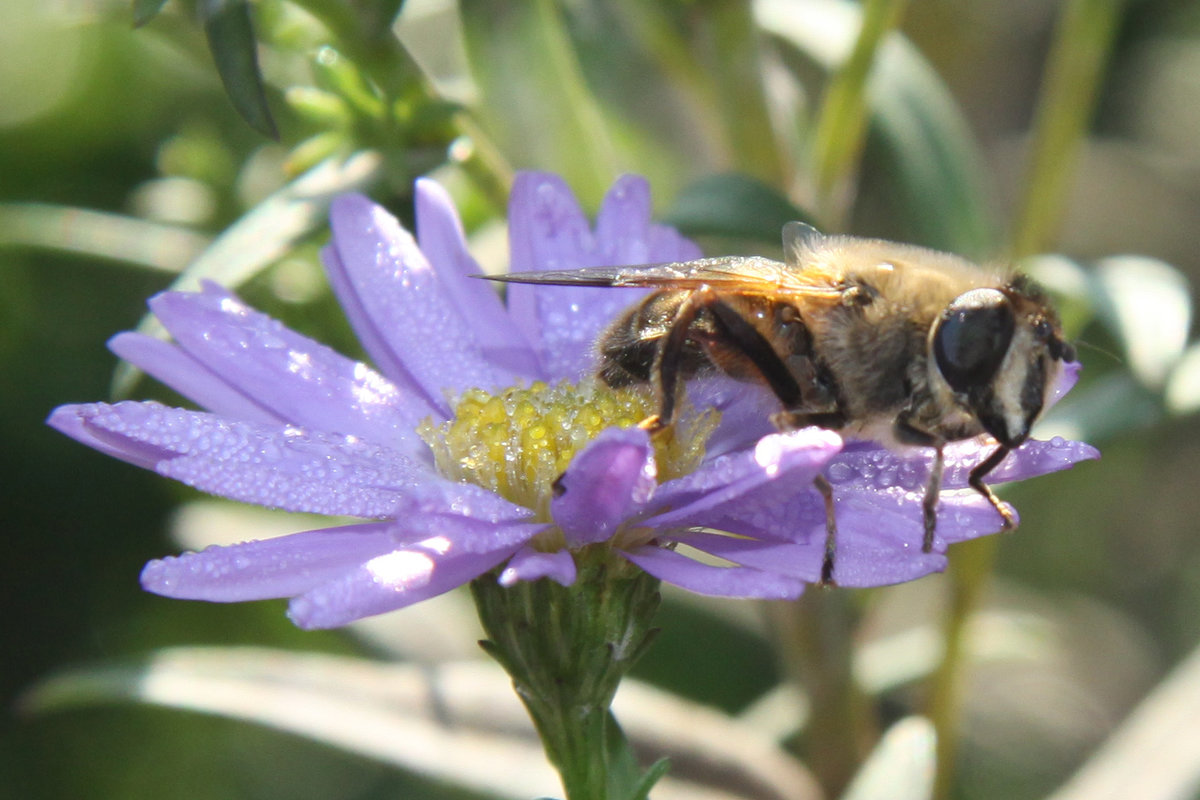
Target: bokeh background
123, 160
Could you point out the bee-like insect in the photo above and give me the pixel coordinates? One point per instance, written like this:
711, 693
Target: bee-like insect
877, 340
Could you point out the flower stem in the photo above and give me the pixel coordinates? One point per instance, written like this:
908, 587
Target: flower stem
815, 638
1069, 92
969, 574
566, 649
842, 121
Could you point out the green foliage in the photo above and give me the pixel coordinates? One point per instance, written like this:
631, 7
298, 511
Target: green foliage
133, 164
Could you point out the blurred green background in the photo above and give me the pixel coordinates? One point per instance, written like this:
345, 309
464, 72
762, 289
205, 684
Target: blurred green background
122, 158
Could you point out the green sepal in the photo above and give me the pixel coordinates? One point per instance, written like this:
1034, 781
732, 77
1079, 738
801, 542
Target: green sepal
566, 649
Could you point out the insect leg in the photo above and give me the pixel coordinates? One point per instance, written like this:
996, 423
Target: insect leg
752, 344
933, 491
740, 333
976, 481
826, 490
668, 361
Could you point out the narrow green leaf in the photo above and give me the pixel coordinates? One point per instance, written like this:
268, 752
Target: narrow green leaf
99, 234
1070, 89
841, 124
733, 205
922, 148
379, 15
146, 10
230, 32
919, 144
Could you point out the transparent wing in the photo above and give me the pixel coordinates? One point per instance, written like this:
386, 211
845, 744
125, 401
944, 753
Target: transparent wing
743, 274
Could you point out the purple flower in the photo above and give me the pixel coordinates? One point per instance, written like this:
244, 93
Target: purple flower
445, 498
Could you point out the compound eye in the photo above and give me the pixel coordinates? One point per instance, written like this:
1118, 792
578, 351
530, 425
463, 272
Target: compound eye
972, 337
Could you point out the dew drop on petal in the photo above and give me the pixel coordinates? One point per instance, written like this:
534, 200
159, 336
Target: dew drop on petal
840, 472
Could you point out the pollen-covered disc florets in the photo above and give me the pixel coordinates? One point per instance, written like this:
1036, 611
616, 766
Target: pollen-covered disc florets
518, 441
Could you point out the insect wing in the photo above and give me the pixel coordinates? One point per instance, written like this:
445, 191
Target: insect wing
731, 273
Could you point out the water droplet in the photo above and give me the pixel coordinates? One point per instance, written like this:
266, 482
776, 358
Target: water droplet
841, 472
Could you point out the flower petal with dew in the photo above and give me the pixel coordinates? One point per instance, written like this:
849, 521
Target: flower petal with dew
479, 444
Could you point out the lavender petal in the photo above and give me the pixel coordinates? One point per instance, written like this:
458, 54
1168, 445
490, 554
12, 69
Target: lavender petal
391, 581
745, 408
397, 302
441, 238
799, 559
469, 534
171, 366
752, 479
300, 380
548, 230
866, 465
678, 569
1034, 458
605, 483
258, 570
281, 467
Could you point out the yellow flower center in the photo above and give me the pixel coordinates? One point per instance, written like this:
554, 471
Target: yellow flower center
517, 442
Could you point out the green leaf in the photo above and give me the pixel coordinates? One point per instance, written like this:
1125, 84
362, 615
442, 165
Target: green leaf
230, 32
924, 151
146, 10
733, 205
99, 234
919, 144
901, 767
265, 234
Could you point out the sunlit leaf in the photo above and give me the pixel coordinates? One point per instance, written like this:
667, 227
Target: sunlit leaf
457, 722
1149, 307
901, 767
99, 234
146, 10
1183, 387
266, 233
733, 205
230, 32
1155, 753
